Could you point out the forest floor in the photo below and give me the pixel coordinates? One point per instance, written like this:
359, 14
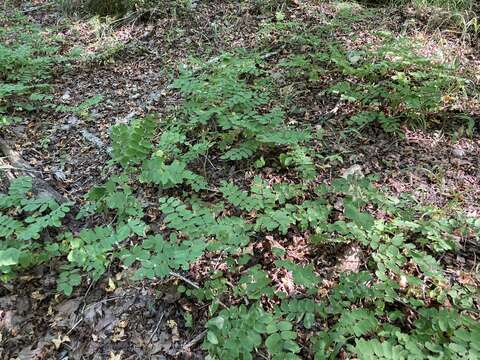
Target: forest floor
130, 67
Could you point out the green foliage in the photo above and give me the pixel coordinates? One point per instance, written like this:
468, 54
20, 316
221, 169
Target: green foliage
159, 257
435, 332
81, 108
228, 100
68, 280
393, 84
228, 232
302, 275
301, 310
27, 57
24, 220
395, 307
254, 284
92, 250
165, 165
118, 196
132, 143
120, 8
237, 331
452, 5
364, 314
366, 310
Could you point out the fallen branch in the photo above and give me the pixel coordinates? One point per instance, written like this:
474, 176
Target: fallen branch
8, 167
39, 7
40, 186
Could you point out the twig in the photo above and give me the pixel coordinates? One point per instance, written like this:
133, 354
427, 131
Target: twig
35, 8
85, 297
104, 301
9, 167
192, 342
74, 326
8, 174
183, 278
191, 283
156, 328
261, 355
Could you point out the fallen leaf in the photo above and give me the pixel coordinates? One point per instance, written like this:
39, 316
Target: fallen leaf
60, 340
173, 326
68, 307
37, 295
114, 356
111, 286
351, 259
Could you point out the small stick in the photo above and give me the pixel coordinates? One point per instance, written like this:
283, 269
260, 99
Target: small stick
74, 326
261, 355
156, 328
192, 342
183, 278
8, 174
104, 301
9, 167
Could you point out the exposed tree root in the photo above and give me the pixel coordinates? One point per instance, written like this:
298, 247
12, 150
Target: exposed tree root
20, 166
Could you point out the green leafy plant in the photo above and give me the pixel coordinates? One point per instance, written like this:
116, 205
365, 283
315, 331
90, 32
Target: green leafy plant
159, 257
118, 196
27, 58
25, 225
82, 108
231, 96
237, 331
132, 143
393, 84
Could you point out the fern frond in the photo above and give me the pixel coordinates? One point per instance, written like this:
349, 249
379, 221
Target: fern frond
131, 144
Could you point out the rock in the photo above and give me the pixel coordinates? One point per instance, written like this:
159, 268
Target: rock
95, 114
458, 153
93, 139
354, 170
60, 175
72, 121
66, 96
126, 119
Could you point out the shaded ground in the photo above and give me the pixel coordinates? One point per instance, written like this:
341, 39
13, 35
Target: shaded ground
117, 319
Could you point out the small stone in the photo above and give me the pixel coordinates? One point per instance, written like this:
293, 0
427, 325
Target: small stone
66, 96
126, 119
458, 153
72, 121
60, 175
354, 170
95, 140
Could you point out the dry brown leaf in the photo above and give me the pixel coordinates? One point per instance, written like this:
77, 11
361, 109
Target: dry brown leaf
114, 356
57, 342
